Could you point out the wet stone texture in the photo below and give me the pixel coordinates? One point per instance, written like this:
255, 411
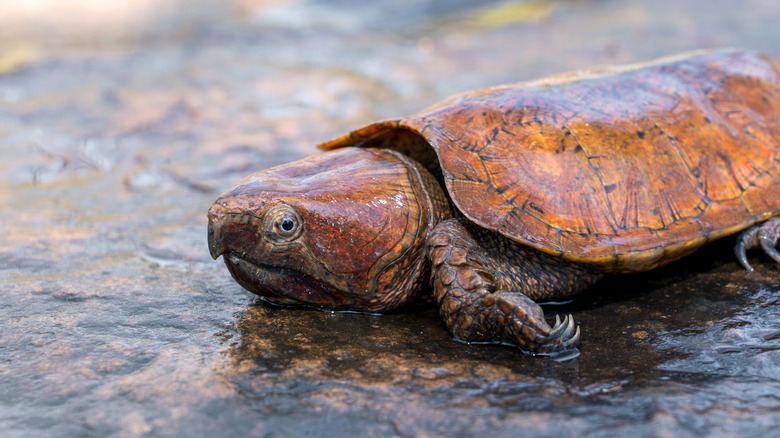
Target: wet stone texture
118, 128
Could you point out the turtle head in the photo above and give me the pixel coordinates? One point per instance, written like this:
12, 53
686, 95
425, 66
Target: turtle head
342, 230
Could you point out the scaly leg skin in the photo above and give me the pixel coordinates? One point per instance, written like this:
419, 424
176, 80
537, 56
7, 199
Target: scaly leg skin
764, 235
485, 285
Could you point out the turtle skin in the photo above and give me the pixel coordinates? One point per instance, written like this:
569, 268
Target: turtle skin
543, 187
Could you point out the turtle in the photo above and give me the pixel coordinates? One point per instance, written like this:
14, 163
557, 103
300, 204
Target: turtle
497, 199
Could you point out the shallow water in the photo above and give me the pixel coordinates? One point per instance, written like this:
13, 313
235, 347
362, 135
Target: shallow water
114, 140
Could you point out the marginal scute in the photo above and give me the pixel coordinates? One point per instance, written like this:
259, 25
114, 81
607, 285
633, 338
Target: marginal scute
626, 168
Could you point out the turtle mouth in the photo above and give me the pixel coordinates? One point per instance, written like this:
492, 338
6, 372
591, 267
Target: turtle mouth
284, 286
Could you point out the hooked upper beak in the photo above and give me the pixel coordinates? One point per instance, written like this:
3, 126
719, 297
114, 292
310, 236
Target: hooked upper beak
216, 220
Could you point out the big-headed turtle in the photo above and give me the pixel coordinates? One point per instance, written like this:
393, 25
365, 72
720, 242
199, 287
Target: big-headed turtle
502, 196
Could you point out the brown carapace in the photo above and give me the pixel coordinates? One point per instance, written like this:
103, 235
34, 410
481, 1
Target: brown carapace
499, 197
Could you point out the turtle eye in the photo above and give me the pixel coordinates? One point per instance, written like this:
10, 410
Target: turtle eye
283, 224
286, 225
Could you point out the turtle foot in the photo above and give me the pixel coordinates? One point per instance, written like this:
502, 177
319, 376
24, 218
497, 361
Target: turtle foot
527, 328
765, 236
514, 319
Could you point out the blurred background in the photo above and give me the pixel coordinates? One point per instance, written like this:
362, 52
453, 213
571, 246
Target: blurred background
121, 121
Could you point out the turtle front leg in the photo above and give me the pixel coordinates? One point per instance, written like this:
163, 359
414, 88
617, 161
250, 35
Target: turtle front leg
484, 284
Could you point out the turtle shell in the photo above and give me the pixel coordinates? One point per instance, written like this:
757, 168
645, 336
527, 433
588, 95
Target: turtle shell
625, 168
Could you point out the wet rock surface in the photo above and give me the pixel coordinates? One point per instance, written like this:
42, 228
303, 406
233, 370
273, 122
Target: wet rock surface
115, 320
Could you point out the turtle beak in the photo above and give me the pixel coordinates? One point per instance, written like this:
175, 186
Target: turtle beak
216, 220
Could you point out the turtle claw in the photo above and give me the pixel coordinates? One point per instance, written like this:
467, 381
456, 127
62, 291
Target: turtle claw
562, 328
564, 334
740, 250
571, 342
768, 245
